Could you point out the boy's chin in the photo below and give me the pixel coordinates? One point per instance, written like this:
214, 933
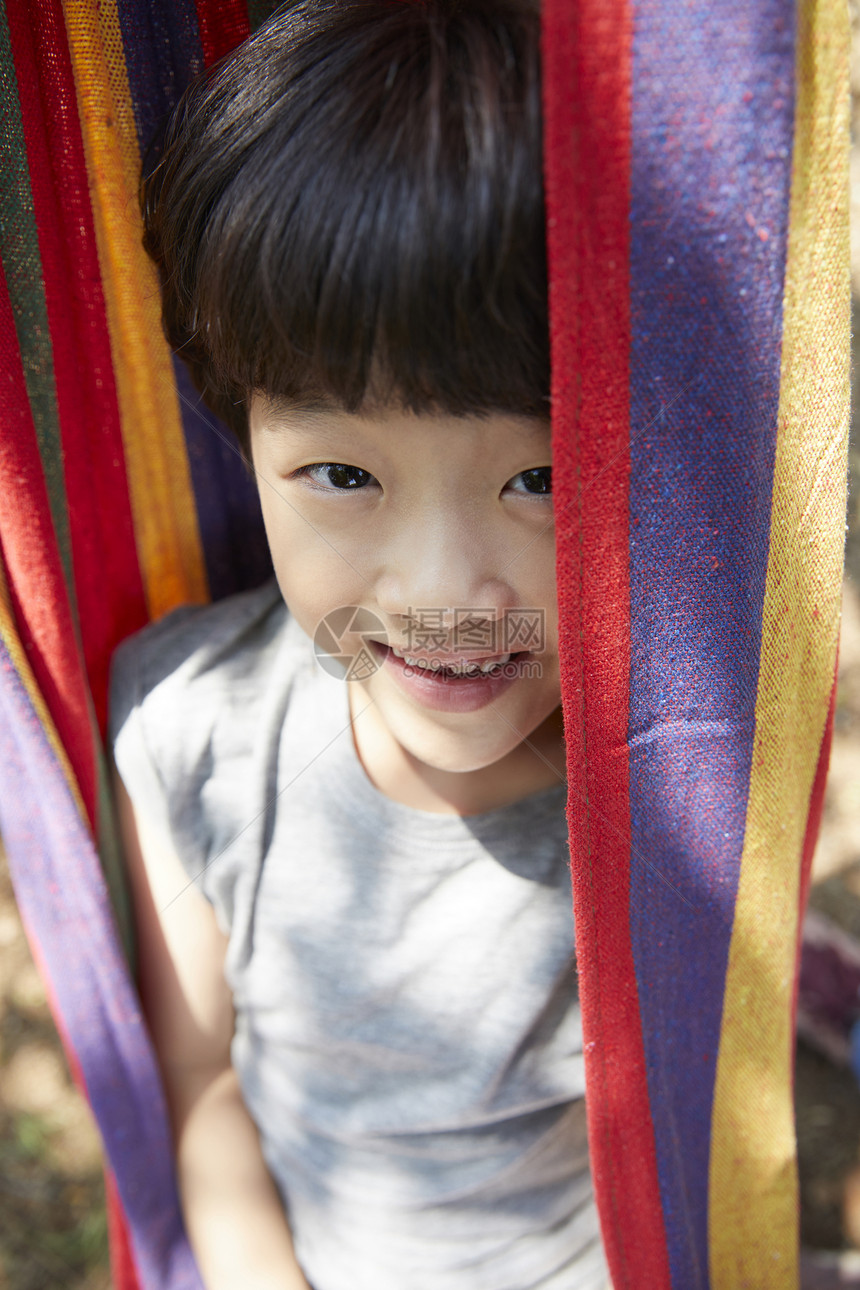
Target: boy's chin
443, 744
452, 754
458, 762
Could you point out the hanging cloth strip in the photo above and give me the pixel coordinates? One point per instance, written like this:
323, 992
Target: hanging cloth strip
696, 163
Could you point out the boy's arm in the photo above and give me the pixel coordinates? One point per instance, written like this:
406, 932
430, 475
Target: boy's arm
233, 1213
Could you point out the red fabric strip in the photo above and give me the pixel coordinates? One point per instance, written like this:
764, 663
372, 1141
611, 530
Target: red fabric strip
108, 585
35, 575
813, 825
587, 69
816, 800
123, 1273
223, 25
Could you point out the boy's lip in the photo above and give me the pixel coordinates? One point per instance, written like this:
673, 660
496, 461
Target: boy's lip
444, 693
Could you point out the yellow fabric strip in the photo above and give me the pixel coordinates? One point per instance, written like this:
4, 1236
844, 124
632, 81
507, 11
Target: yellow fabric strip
753, 1212
162, 499
18, 655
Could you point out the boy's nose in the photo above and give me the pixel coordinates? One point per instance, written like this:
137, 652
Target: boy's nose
449, 575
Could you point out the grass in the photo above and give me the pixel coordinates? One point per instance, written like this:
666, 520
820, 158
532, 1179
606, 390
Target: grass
53, 1230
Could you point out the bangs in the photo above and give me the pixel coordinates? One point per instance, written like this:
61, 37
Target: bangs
351, 208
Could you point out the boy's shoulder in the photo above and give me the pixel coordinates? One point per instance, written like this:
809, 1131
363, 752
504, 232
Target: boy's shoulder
200, 657
210, 631
193, 700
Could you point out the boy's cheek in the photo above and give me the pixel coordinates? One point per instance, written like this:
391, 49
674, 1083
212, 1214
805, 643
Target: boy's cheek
313, 590
315, 575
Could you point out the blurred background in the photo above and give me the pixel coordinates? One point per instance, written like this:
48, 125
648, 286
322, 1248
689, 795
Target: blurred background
53, 1234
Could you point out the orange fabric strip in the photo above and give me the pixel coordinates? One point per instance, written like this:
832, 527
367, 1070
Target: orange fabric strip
165, 518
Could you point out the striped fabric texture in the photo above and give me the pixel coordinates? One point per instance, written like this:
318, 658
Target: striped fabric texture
696, 164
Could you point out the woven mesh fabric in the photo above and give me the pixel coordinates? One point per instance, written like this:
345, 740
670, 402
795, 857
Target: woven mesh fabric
696, 176
700, 410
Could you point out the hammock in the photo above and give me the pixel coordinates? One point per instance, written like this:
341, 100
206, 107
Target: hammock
696, 161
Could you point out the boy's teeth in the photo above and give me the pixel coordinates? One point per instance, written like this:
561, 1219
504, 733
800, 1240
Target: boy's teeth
465, 668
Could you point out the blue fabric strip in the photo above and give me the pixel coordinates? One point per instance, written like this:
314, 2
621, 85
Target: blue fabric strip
228, 507
161, 43
712, 128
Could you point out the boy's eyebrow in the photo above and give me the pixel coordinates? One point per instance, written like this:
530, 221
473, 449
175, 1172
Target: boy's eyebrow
289, 414
315, 414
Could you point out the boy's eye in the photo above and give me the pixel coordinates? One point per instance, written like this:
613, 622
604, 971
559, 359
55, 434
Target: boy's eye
537, 481
337, 475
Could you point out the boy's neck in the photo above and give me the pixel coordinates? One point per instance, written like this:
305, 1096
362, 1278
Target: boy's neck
528, 768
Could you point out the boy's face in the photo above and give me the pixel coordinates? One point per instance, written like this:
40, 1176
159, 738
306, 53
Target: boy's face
439, 529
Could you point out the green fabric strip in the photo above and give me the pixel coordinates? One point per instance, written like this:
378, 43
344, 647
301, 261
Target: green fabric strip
110, 855
19, 247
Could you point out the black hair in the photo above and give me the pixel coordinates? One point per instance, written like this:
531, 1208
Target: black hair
350, 208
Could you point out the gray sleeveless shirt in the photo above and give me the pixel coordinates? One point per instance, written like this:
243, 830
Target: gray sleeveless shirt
408, 1034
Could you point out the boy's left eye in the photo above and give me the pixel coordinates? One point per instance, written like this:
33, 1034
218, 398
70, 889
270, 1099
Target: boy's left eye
537, 481
336, 475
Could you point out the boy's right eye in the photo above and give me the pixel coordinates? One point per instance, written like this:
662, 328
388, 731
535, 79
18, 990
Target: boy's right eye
336, 475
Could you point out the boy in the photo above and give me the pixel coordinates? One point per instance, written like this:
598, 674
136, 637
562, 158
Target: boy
350, 878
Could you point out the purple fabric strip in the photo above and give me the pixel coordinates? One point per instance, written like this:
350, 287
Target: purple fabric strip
161, 43
65, 907
712, 124
228, 505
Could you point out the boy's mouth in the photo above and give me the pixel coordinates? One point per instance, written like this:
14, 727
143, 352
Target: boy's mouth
456, 668
464, 686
